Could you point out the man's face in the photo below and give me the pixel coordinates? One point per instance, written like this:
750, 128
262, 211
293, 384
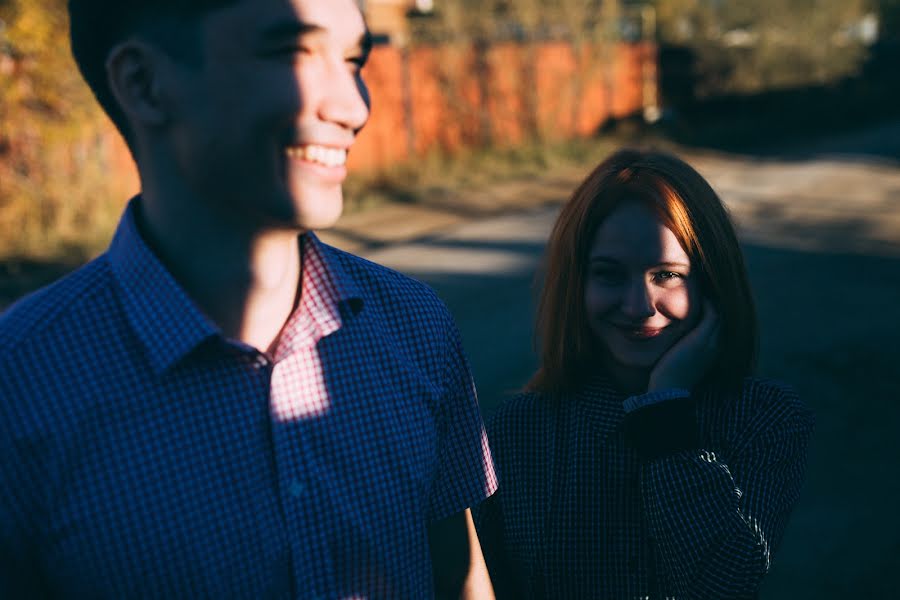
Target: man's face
262, 127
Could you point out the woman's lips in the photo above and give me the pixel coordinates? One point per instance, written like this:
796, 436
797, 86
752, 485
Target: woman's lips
640, 333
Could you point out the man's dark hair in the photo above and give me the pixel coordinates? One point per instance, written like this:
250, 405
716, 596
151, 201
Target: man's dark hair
96, 26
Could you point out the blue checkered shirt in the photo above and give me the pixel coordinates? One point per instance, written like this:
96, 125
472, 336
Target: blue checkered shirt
580, 515
147, 456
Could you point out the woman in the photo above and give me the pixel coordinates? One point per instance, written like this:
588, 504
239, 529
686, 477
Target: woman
643, 460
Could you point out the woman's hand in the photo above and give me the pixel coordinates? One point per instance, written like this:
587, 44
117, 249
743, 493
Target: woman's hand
685, 363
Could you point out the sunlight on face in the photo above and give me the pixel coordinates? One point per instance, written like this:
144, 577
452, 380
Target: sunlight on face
640, 294
270, 117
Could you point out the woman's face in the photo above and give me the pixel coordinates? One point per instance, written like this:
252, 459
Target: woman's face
640, 294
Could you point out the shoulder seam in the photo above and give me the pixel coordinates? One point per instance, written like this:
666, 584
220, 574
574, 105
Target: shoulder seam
45, 312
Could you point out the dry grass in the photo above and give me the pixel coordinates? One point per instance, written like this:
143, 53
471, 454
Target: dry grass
438, 176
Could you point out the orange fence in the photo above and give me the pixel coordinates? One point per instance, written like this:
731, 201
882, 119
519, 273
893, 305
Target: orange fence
450, 97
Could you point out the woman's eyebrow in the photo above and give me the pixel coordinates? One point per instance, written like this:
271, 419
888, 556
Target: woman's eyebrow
600, 258
683, 265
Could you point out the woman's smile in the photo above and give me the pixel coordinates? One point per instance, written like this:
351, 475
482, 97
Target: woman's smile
640, 334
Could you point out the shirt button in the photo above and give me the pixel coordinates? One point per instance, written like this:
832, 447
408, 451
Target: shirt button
296, 489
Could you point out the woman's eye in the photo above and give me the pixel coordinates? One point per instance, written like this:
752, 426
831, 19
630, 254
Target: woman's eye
668, 276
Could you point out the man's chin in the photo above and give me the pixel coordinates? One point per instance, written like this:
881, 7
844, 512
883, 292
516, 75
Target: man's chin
320, 211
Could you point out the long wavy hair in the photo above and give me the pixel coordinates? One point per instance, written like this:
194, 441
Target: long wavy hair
687, 205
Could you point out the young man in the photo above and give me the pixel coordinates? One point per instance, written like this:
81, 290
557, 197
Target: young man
221, 405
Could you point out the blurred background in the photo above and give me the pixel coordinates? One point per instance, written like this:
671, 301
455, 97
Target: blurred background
485, 116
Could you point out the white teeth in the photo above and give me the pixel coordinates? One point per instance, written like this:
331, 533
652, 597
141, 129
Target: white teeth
330, 157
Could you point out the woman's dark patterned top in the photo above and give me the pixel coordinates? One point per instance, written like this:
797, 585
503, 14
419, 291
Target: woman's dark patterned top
580, 515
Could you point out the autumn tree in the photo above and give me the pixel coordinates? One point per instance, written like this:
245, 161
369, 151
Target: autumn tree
748, 47
51, 183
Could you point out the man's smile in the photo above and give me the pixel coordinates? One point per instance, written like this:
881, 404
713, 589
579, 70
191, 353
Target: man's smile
324, 155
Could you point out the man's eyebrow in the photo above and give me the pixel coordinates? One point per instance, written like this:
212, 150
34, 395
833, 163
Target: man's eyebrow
289, 29
292, 29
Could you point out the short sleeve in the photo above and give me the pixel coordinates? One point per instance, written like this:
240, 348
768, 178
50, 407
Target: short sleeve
464, 474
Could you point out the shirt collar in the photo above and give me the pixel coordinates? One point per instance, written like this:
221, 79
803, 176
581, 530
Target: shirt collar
170, 325
328, 296
344, 289
165, 319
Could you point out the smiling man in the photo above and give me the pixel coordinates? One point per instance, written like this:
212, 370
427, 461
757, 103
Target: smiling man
221, 405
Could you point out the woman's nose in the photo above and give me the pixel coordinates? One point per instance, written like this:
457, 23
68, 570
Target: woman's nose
637, 301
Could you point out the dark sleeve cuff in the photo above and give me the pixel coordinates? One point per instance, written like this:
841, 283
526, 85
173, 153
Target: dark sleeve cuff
663, 428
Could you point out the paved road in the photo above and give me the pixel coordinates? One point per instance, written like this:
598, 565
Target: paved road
821, 225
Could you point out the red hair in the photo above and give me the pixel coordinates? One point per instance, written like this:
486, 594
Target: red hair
686, 204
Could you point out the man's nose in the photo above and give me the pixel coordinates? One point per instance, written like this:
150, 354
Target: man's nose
346, 99
637, 301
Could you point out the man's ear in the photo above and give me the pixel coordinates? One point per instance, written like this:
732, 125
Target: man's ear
134, 71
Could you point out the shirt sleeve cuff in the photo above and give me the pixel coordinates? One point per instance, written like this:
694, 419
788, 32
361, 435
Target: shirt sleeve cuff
633, 403
663, 425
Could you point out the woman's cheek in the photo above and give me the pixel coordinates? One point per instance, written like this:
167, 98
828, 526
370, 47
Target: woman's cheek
597, 300
677, 303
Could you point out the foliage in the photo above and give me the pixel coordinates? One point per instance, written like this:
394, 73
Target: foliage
51, 132
750, 47
518, 20
739, 47
890, 18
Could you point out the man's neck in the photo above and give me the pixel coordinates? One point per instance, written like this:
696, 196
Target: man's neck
247, 281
